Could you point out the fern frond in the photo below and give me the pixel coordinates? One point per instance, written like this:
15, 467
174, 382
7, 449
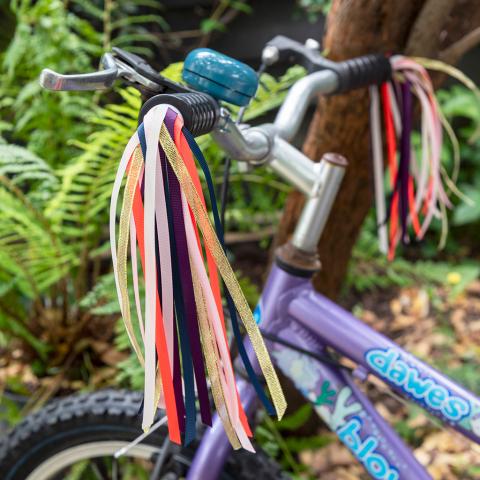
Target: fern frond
16, 328
29, 251
28, 172
79, 207
90, 8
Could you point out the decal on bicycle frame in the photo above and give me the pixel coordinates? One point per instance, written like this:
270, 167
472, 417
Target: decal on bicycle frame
257, 313
388, 363
341, 412
365, 451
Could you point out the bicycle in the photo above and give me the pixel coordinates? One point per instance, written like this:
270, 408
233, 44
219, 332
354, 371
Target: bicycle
300, 326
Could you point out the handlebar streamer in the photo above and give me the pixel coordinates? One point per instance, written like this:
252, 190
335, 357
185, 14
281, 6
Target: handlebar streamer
164, 214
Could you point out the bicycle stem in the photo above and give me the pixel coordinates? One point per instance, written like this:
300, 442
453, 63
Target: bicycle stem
269, 144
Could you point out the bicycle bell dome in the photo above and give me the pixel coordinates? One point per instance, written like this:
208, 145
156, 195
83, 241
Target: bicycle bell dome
219, 75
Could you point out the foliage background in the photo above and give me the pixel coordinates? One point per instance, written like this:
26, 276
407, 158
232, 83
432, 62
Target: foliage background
59, 328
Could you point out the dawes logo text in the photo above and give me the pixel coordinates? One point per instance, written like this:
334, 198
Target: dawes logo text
389, 364
365, 450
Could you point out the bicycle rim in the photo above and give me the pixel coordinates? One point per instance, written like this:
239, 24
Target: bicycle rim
75, 455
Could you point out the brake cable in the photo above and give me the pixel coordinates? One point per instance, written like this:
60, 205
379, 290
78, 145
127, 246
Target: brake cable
326, 358
228, 160
224, 189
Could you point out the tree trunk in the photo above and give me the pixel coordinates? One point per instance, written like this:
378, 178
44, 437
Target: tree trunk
340, 124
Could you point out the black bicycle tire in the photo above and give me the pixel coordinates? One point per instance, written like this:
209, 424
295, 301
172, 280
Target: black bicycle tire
109, 415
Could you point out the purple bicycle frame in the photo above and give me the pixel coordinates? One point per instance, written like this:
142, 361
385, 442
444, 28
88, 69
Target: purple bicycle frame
290, 308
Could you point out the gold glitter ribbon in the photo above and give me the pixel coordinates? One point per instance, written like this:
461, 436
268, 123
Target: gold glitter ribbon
159, 390
213, 244
123, 237
212, 360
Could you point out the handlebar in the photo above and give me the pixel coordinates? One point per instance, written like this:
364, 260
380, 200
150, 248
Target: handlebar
202, 112
216, 77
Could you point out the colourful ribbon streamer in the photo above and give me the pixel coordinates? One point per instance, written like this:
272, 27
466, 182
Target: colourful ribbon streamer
164, 215
416, 193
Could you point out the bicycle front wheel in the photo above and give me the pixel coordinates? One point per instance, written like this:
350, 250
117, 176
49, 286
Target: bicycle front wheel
75, 438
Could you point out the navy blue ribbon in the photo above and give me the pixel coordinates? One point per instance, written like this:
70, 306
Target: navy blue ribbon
231, 306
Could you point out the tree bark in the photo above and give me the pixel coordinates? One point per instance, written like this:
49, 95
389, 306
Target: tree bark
340, 123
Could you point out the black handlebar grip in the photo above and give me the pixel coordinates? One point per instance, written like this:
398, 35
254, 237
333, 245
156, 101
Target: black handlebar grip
355, 73
362, 72
200, 111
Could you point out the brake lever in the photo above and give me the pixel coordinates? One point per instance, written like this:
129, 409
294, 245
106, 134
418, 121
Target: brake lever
142, 72
116, 65
51, 80
285, 50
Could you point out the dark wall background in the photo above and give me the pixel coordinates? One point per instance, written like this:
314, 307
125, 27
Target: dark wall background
247, 33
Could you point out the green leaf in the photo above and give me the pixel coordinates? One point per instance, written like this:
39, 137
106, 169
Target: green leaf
241, 6
19, 330
465, 213
315, 442
295, 420
209, 25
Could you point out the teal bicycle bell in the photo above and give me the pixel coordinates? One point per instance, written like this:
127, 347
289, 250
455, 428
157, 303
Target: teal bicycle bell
222, 77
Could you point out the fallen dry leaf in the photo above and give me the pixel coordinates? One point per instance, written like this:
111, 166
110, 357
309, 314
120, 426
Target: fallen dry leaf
418, 325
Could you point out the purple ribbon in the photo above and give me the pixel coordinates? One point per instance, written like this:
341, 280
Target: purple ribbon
186, 282
404, 167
